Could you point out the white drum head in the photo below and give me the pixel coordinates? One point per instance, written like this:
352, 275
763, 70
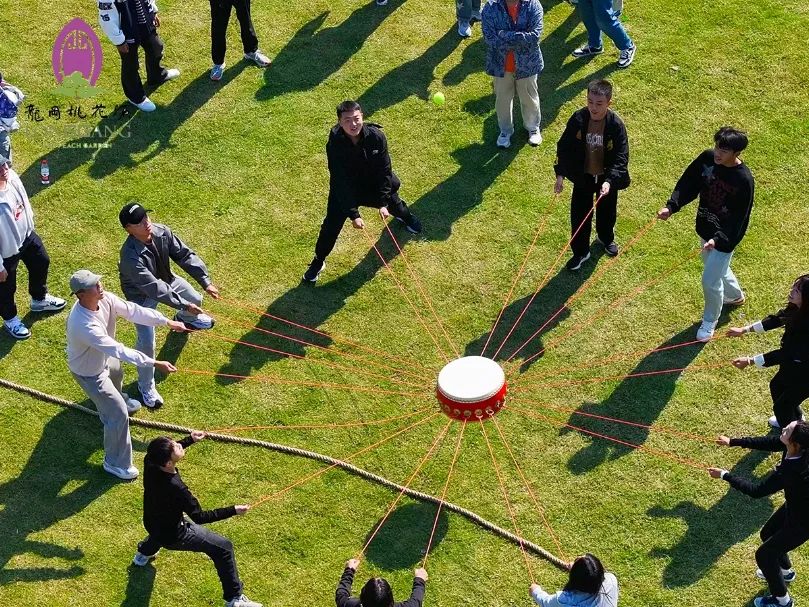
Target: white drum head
471, 379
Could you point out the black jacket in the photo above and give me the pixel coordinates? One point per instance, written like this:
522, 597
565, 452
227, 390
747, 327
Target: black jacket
790, 475
794, 351
725, 199
571, 148
166, 497
343, 596
359, 174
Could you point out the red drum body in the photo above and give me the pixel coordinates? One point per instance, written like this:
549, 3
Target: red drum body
471, 388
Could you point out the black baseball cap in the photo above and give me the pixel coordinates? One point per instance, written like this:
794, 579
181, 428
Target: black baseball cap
132, 213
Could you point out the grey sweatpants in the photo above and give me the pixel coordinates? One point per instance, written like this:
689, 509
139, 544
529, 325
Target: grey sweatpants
105, 391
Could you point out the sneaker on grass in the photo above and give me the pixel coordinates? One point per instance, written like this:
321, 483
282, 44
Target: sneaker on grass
626, 57
16, 328
242, 601
789, 575
611, 249
127, 474
771, 601
706, 331
217, 71
47, 304
200, 322
313, 271
141, 560
132, 405
151, 398
534, 137
587, 51
259, 58
504, 140
576, 262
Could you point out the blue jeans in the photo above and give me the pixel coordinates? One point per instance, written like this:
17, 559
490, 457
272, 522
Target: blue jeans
598, 16
719, 284
465, 8
145, 335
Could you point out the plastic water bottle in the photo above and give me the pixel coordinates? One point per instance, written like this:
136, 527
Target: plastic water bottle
44, 172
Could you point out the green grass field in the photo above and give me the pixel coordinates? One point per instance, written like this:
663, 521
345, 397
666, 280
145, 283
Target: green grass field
238, 170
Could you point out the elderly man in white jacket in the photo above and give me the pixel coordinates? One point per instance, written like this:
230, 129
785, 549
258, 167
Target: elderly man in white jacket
19, 242
130, 24
94, 358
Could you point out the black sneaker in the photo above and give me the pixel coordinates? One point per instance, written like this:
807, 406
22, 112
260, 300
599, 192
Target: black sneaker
576, 262
610, 249
314, 270
625, 58
587, 51
770, 601
413, 225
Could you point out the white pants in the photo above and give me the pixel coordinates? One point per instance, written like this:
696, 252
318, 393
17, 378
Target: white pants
528, 92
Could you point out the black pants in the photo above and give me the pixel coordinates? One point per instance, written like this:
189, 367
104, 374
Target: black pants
581, 202
130, 67
335, 218
196, 538
220, 15
35, 258
788, 388
779, 537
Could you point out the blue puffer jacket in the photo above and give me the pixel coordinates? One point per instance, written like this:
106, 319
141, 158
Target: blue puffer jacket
502, 35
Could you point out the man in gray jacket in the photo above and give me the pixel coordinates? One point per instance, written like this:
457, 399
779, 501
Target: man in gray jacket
146, 279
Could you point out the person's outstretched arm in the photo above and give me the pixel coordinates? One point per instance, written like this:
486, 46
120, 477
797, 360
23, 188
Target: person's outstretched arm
542, 598
417, 594
343, 596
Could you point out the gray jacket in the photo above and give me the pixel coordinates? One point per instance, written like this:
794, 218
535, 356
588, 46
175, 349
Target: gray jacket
145, 270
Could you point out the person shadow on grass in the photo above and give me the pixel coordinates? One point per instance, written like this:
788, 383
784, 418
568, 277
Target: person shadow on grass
637, 399
711, 531
547, 307
314, 54
479, 165
125, 137
55, 484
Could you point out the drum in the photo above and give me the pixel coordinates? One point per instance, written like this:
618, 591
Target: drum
471, 388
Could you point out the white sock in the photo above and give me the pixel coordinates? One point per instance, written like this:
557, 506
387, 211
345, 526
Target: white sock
783, 600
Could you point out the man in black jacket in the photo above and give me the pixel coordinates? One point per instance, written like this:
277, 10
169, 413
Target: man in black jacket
725, 188
593, 152
360, 174
377, 591
788, 527
166, 498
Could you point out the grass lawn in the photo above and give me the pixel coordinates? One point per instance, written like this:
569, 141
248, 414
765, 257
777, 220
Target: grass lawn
238, 170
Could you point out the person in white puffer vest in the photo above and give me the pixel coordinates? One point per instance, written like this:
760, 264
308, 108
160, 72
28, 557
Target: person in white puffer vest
130, 24
19, 242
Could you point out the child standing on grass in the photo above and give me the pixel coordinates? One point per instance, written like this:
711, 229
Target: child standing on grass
725, 188
588, 586
593, 152
790, 386
165, 498
788, 527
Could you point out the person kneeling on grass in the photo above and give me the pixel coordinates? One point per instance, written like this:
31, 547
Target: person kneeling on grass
588, 586
788, 527
165, 498
377, 591
789, 387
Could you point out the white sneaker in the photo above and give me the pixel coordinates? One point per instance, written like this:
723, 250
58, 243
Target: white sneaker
151, 398
16, 328
131, 404
773, 421
172, 74
242, 601
789, 575
144, 106
141, 560
200, 322
259, 58
504, 140
706, 331
48, 304
127, 474
217, 71
534, 137
464, 29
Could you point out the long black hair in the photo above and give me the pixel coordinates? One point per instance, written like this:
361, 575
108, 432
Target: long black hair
586, 575
159, 451
376, 593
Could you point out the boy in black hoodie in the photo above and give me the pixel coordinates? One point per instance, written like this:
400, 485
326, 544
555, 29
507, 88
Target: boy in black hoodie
725, 188
593, 153
166, 498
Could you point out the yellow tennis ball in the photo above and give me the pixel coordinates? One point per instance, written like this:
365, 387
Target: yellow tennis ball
438, 98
